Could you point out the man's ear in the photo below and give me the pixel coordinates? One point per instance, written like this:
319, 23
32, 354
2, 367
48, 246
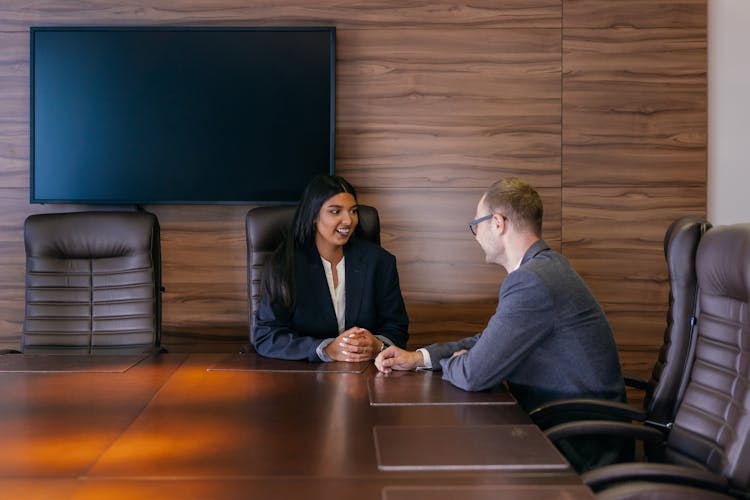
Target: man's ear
497, 219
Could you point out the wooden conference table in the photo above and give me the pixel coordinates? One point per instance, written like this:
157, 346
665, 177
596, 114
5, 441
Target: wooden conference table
241, 426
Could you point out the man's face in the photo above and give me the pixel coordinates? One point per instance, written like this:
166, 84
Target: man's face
486, 236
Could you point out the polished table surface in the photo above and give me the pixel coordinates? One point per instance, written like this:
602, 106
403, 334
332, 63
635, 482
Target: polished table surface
214, 426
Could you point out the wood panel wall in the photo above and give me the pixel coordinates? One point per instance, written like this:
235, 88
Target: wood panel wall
599, 103
633, 149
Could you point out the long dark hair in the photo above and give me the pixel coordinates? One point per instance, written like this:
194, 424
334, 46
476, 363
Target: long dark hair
279, 272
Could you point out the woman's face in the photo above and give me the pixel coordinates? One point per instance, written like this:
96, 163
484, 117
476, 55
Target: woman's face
336, 220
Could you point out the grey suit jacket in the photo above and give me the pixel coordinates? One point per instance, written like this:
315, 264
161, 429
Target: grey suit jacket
548, 339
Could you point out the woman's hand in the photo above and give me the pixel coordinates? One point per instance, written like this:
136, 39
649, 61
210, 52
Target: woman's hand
354, 344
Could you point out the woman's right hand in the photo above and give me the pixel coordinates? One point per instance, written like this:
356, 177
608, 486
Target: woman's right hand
354, 344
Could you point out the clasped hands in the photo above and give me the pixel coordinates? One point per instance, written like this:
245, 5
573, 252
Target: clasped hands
354, 344
359, 344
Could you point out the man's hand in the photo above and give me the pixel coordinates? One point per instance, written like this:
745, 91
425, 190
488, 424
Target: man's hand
395, 358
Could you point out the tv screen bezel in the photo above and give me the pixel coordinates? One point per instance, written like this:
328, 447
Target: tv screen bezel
331, 30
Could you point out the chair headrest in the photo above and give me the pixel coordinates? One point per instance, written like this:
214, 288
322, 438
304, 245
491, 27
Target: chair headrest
723, 262
85, 235
680, 246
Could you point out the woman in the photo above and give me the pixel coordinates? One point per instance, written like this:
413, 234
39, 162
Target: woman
327, 295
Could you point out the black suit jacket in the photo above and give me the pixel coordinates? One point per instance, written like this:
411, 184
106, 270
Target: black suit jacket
373, 301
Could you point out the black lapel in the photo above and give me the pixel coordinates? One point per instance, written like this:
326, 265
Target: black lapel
314, 276
356, 270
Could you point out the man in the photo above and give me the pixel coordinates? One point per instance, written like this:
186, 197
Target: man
548, 339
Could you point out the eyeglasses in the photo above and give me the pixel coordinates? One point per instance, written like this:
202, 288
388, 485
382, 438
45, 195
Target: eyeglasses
473, 224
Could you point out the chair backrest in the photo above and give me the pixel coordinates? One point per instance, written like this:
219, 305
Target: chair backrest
93, 282
712, 424
665, 387
267, 226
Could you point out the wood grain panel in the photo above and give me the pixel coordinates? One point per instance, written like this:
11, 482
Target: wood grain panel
19, 14
204, 253
12, 292
614, 238
437, 108
434, 322
637, 363
634, 13
14, 107
634, 107
10, 322
14, 208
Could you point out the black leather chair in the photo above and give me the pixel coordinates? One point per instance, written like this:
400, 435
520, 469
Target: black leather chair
708, 446
668, 377
93, 283
266, 227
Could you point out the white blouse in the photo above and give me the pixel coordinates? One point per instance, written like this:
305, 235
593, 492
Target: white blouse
338, 295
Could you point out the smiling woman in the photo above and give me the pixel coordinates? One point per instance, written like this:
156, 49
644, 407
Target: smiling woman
328, 295
336, 222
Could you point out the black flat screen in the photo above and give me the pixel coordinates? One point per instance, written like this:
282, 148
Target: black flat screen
180, 115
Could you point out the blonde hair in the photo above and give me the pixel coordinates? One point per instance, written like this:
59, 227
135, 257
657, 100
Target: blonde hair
519, 202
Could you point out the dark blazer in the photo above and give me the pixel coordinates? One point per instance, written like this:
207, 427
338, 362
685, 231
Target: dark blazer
373, 301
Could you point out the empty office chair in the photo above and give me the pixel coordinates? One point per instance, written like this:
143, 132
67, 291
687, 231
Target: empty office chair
93, 282
668, 377
267, 226
709, 444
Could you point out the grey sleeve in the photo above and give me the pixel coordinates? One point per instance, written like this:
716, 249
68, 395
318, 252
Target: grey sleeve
525, 315
438, 352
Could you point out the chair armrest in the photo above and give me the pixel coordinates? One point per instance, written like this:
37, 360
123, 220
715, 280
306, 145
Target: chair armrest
568, 410
645, 489
156, 349
603, 477
604, 428
635, 382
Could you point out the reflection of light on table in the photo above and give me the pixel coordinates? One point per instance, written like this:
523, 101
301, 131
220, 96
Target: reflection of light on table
169, 426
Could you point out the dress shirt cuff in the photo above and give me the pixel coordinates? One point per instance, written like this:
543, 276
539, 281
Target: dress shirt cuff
320, 350
426, 358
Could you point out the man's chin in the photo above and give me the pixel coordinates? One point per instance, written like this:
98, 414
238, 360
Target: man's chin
490, 260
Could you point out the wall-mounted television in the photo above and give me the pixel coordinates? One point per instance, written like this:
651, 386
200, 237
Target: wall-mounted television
150, 115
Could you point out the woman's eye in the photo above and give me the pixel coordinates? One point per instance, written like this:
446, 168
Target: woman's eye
335, 211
